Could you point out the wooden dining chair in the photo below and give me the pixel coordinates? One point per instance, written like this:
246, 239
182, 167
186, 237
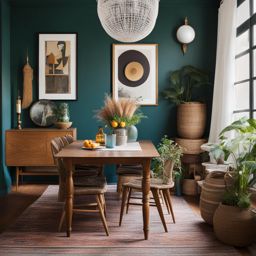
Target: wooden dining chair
91, 185
83, 170
125, 173
158, 187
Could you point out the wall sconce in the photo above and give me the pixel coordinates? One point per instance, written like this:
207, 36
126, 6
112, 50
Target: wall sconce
185, 35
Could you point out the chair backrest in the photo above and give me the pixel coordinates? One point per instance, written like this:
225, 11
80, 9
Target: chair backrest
69, 138
56, 146
167, 172
65, 141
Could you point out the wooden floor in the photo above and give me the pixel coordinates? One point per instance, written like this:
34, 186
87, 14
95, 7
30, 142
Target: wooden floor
16, 202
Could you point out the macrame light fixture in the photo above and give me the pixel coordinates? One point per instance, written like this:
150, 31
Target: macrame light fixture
128, 20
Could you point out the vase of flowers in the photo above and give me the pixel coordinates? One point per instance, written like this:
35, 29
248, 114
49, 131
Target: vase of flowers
119, 115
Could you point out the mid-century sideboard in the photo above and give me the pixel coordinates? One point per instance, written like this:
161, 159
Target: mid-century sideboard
29, 150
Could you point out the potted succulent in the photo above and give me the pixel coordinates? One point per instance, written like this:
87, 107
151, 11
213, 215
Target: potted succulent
62, 116
121, 116
170, 154
234, 222
191, 114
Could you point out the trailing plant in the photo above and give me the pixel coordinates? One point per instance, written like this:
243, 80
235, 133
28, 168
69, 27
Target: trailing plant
120, 113
61, 113
184, 82
168, 150
240, 149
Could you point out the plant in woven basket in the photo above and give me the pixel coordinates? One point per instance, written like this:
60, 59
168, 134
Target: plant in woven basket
168, 151
240, 149
120, 113
234, 220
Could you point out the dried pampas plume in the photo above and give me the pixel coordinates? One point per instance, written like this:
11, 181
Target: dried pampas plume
124, 108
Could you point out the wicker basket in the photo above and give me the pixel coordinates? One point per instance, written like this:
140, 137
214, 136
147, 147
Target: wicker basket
189, 187
234, 226
191, 120
191, 146
212, 193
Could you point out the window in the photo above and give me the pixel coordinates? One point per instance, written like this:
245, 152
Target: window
245, 79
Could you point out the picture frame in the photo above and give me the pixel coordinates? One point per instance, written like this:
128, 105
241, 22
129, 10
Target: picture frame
57, 64
135, 72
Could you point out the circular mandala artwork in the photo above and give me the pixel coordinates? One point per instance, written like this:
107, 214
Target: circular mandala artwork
42, 113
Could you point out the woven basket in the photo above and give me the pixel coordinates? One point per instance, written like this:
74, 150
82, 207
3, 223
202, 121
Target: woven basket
212, 193
234, 226
191, 120
191, 146
189, 187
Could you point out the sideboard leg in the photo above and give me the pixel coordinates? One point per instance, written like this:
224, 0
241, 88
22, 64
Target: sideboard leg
17, 177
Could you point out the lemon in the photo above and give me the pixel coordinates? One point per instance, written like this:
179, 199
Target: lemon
114, 124
122, 124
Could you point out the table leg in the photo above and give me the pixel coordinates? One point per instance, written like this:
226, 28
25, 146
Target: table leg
145, 200
69, 196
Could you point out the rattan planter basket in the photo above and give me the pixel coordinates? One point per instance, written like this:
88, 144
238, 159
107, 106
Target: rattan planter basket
234, 226
212, 193
191, 120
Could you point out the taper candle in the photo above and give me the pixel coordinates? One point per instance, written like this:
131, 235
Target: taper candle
18, 105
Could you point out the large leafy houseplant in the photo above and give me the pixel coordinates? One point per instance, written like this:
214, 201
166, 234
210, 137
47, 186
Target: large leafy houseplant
184, 82
186, 85
240, 149
234, 221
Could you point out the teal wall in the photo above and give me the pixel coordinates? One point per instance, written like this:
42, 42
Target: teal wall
94, 55
5, 88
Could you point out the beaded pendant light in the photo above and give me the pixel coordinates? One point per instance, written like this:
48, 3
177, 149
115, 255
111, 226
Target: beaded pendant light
128, 20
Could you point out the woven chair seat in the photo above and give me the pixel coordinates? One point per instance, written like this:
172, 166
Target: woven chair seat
154, 183
85, 171
130, 170
90, 185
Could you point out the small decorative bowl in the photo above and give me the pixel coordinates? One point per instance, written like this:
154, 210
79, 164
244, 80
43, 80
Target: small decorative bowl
63, 125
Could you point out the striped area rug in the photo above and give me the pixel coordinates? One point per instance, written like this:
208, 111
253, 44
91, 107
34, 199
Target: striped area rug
35, 231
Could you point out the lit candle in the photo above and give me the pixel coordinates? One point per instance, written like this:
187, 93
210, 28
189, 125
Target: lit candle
18, 105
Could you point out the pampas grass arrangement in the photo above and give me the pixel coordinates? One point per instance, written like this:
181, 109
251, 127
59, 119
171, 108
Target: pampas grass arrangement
119, 113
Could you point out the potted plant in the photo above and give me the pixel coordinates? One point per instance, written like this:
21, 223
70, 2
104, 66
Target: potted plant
62, 116
170, 154
191, 114
234, 221
121, 116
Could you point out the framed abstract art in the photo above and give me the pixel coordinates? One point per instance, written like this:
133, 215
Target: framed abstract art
58, 66
135, 72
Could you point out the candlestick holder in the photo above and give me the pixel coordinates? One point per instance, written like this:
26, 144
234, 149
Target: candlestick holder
19, 121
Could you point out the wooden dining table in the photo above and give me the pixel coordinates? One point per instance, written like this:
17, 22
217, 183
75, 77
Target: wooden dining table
73, 154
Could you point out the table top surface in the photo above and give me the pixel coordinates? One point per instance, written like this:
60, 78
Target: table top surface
75, 150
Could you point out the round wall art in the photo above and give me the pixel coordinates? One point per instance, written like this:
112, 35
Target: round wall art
135, 72
42, 113
133, 68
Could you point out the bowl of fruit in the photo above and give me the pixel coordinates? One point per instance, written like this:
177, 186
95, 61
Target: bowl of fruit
91, 145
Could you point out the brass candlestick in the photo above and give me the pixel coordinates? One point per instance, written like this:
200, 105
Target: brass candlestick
19, 121
18, 111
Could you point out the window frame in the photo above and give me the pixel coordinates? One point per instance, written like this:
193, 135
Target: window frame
248, 25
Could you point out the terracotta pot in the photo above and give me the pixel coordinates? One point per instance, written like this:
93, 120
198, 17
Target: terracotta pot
213, 189
234, 226
191, 120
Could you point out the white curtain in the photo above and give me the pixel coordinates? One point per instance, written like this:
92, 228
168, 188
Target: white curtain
224, 96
